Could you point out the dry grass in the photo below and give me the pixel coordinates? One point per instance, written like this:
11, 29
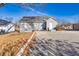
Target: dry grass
12, 42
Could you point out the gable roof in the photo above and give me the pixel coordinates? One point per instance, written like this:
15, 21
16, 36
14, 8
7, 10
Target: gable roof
4, 22
32, 19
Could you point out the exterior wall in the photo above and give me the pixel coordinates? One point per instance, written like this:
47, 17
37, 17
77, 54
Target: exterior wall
2, 28
24, 27
68, 27
17, 27
76, 27
10, 27
51, 24
38, 26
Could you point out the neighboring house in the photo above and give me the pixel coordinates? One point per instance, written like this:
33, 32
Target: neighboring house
34, 23
70, 27
10, 27
67, 26
6, 26
76, 26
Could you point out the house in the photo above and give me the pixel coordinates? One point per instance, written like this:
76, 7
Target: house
76, 26
35, 23
67, 27
51, 23
10, 27
71, 27
6, 26
29, 23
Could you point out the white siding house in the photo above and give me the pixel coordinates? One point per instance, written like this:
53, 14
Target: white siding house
6, 26
24, 27
10, 28
51, 24
30, 23
34, 23
38, 26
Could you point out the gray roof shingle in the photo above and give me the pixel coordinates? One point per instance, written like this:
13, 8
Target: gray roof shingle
33, 19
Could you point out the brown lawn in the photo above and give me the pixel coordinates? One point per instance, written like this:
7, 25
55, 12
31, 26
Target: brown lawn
11, 43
